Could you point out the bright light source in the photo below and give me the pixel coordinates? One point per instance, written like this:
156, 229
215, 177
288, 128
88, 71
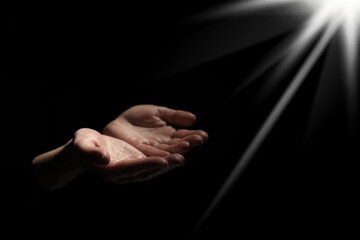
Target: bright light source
350, 8
350, 11
333, 16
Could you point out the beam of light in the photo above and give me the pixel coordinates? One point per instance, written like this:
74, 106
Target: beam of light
350, 36
326, 98
273, 117
351, 30
242, 7
291, 49
344, 14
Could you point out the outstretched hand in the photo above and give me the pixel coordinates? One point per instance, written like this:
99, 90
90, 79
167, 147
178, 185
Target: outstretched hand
143, 142
117, 161
153, 130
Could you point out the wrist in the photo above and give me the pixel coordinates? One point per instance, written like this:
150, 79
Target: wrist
58, 167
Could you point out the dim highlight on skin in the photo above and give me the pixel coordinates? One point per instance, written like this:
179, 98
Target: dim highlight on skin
330, 20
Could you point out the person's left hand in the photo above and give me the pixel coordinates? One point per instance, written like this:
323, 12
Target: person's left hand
152, 130
114, 160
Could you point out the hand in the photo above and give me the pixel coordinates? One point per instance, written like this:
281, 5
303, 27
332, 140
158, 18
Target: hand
117, 161
151, 129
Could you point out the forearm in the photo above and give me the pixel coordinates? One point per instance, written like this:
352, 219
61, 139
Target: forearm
56, 168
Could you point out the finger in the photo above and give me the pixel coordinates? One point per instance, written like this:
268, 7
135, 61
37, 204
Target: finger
90, 147
172, 145
194, 140
185, 132
176, 117
173, 141
179, 147
151, 151
175, 160
132, 167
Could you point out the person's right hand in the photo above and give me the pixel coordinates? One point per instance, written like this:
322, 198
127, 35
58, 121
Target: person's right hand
117, 161
156, 130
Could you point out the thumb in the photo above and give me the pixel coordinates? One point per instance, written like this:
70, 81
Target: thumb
90, 147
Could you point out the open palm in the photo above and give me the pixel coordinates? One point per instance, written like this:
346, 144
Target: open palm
153, 130
117, 161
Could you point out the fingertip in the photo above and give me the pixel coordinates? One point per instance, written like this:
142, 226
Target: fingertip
204, 135
190, 118
176, 159
184, 144
179, 157
196, 140
163, 153
179, 147
158, 162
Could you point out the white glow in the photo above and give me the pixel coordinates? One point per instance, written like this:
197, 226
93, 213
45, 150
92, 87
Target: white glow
350, 33
236, 8
350, 9
341, 3
335, 16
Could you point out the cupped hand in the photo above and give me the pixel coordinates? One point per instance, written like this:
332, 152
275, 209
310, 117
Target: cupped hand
156, 130
117, 161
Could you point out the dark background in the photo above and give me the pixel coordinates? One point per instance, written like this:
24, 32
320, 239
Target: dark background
80, 65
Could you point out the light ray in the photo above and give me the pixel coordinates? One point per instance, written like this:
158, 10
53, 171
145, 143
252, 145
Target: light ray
330, 15
236, 8
326, 98
350, 36
292, 48
275, 114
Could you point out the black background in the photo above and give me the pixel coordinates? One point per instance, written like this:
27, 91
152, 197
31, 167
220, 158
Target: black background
80, 65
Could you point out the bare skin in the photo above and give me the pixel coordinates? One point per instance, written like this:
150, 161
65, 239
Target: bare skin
142, 143
151, 129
